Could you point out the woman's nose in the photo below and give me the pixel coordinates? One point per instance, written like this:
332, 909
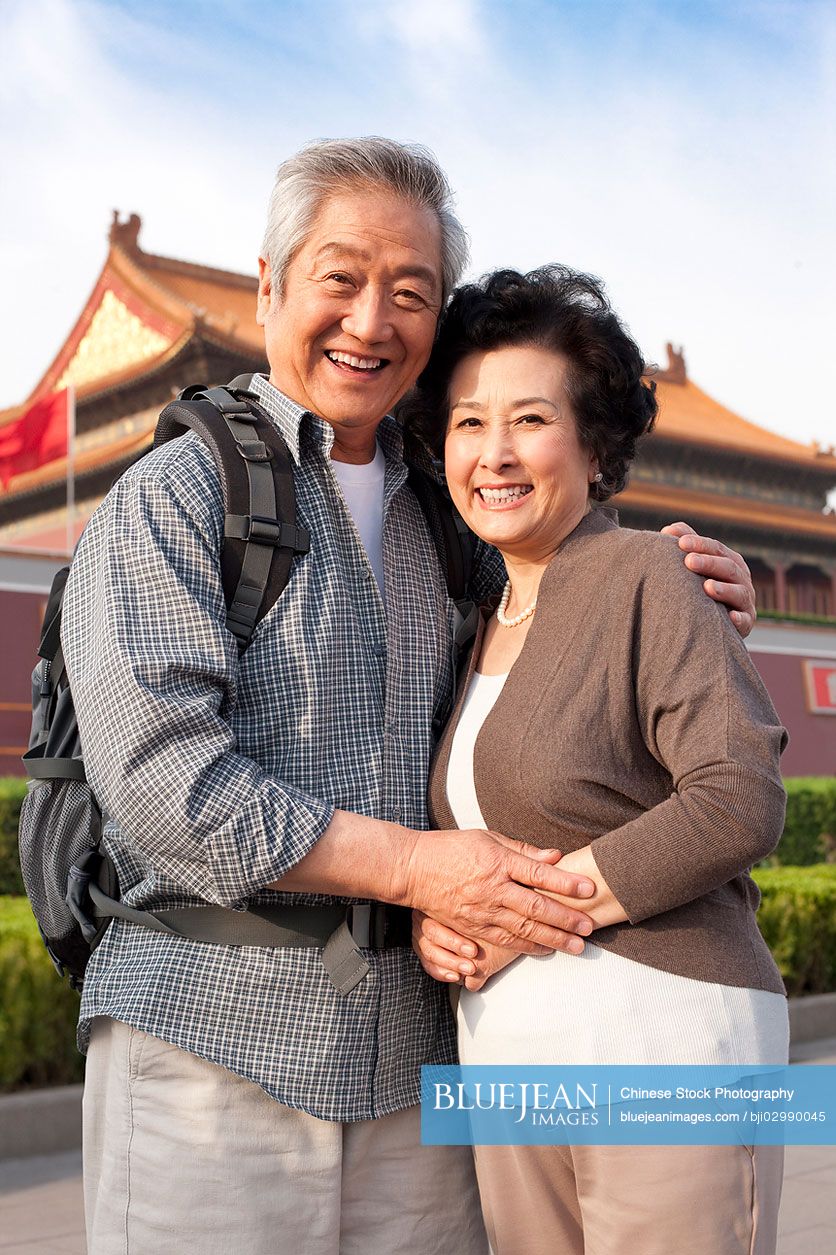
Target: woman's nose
497, 449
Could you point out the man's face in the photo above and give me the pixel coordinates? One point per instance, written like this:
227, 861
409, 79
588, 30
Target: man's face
355, 324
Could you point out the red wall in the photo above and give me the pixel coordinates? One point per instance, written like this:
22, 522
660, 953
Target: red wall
811, 752
812, 747
20, 628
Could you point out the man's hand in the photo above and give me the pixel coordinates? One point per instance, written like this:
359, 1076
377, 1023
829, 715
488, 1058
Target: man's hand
727, 577
484, 885
492, 889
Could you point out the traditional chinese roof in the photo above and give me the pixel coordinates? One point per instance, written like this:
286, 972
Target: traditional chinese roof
677, 502
145, 311
141, 313
691, 416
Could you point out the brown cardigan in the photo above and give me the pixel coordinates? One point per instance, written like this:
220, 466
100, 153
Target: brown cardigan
635, 720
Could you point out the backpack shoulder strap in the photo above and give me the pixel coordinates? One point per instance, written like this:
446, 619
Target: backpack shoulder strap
261, 536
454, 544
453, 539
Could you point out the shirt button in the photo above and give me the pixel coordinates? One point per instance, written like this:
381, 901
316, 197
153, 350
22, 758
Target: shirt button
378, 650
396, 813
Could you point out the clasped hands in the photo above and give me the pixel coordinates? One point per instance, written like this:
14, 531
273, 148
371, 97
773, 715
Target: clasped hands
481, 899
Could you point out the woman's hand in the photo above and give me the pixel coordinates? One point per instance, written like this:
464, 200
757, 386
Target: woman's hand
604, 907
456, 960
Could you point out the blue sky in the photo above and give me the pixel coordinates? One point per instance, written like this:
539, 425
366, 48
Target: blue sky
684, 152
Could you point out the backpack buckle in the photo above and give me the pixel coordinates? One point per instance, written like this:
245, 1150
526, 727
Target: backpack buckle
263, 531
256, 451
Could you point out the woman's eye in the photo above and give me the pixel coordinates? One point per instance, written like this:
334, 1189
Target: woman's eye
532, 420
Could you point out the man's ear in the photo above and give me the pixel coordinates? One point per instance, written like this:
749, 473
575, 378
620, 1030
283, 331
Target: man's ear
265, 291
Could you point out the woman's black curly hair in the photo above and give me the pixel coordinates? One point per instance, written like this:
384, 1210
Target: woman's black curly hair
556, 308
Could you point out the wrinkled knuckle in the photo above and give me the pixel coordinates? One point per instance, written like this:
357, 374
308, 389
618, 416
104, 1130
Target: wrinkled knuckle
526, 928
538, 874
538, 908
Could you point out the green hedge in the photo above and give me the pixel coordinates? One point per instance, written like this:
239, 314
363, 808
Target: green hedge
38, 1011
814, 620
798, 919
810, 828
12, 792
809, 833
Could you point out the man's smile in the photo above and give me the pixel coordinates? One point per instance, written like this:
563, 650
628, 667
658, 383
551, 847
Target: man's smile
355, 363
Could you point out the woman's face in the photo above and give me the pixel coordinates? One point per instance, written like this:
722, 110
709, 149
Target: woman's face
517, 472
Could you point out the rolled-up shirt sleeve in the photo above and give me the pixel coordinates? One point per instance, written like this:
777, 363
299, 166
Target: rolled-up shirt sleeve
154, 675
706, 717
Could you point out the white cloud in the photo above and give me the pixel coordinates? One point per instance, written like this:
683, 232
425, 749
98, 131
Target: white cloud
454, 26
700, 189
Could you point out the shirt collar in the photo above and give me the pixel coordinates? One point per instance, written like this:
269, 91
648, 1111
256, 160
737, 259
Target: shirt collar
286, 414
295, 423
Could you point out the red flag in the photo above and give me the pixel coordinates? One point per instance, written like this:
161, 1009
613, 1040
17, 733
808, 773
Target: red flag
40, 435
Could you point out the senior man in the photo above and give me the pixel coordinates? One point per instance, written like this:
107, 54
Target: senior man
235, 1100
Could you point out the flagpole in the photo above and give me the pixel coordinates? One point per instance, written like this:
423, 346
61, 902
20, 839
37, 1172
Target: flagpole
70, 468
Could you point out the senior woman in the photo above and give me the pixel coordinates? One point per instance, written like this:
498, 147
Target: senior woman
609, 710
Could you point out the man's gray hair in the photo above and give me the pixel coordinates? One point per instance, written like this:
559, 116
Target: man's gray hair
333, 165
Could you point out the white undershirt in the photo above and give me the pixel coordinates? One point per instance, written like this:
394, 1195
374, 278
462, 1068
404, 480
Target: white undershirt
362, 487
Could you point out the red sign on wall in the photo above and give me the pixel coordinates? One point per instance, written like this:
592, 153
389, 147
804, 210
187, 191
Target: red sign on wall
820, 685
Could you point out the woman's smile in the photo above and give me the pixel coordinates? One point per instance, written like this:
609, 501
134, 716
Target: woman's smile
502, 496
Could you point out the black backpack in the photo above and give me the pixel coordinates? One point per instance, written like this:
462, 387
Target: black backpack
71, 883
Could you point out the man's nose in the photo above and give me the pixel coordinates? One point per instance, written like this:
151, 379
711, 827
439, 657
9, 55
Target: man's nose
368, 318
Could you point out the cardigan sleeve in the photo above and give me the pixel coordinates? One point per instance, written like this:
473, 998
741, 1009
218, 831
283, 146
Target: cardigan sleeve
706, 717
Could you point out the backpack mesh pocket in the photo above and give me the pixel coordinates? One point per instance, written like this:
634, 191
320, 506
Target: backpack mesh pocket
59, 822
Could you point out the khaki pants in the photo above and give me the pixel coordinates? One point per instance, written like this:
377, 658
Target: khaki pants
626, 1200
182, 1157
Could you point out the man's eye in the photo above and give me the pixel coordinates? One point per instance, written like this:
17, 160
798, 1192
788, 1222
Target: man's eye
339, 276
406, 297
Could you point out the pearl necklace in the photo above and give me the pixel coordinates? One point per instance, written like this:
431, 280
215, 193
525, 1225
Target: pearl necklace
518, 618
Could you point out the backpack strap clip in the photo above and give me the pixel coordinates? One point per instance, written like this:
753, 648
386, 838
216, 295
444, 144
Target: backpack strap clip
266, 531
254, 451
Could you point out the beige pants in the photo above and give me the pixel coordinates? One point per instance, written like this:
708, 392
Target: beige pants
182, 1157
626, 1200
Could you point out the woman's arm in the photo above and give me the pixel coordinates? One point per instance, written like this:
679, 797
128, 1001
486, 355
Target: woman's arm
703, 713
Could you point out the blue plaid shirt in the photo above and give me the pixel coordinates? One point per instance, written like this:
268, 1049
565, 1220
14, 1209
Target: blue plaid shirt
217, 774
